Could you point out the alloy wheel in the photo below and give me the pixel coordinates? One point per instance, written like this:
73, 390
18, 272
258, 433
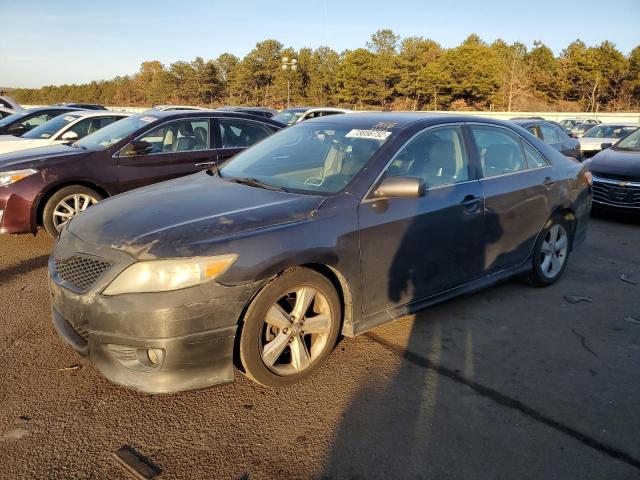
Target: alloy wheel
554, 251
69, 207
295, 331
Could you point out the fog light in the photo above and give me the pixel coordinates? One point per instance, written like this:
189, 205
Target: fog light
143, 359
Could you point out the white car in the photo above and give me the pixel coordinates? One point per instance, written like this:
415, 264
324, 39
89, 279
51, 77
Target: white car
5, 112
591, 142
10, 104
66, 128
300, 114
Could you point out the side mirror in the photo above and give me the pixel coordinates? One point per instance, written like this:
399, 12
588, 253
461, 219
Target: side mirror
137, 147
604, 146
400, 187
69, 136
17, 130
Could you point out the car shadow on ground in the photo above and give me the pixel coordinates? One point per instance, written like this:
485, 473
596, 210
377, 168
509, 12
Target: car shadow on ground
23, 267
461, 417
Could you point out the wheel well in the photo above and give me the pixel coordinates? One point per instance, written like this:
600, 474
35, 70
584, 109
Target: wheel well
338, 281
569, 217
45, 198
344, 293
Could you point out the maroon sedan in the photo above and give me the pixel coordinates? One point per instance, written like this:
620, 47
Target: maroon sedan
49, 186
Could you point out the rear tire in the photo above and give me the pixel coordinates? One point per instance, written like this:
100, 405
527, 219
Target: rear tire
65, 204
551, 253
290, 328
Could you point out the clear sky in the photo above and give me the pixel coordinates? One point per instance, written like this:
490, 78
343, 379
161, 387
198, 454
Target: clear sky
69, 41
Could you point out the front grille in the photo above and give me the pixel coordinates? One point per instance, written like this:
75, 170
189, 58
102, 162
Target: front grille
614, 194
81, 272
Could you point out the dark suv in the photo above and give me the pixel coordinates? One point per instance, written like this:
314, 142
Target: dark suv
50, 185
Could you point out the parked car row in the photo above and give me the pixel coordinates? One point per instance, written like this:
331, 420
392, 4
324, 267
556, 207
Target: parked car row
50, 185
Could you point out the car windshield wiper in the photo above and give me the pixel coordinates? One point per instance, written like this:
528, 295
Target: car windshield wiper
254, 182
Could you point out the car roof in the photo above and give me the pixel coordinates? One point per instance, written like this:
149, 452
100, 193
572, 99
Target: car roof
400, 120
98, 113
618, 125
177, 114
66, 109
242, 107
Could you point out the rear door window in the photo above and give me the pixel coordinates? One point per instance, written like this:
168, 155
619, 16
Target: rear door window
534, 159
500, 150
549, 134
237, 133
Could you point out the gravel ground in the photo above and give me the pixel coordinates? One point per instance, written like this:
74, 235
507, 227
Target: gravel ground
511, 382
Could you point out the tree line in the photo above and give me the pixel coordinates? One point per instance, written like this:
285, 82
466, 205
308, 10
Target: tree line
413, 73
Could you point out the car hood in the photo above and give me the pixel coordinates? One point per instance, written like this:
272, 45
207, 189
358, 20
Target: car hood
616, 162
33, 157
182, 217
595, 143
22, 144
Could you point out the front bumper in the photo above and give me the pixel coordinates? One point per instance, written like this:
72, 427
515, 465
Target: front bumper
191, 331
16, 210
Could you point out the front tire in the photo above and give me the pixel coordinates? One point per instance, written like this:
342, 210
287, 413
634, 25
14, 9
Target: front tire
551, 252
65, 204
290, 328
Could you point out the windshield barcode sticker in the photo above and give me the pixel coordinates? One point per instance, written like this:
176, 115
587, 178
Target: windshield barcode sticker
148, 119
69, 119
371, 134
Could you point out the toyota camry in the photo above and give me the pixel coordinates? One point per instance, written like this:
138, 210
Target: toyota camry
331, 227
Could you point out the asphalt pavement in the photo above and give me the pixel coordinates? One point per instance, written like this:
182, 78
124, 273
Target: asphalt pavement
510, 382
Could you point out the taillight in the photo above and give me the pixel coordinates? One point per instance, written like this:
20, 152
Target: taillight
588, 178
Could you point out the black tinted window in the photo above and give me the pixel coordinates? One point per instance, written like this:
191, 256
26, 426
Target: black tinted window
236, 133
549, 134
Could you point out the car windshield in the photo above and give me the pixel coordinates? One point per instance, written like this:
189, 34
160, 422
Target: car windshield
12, 118
111, 134
630, 142
288, 116
50, 128
307, 158
609, 131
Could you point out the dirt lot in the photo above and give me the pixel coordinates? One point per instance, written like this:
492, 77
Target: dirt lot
512, 382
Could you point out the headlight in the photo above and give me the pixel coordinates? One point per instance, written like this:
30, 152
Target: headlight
166, 275
7, 178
